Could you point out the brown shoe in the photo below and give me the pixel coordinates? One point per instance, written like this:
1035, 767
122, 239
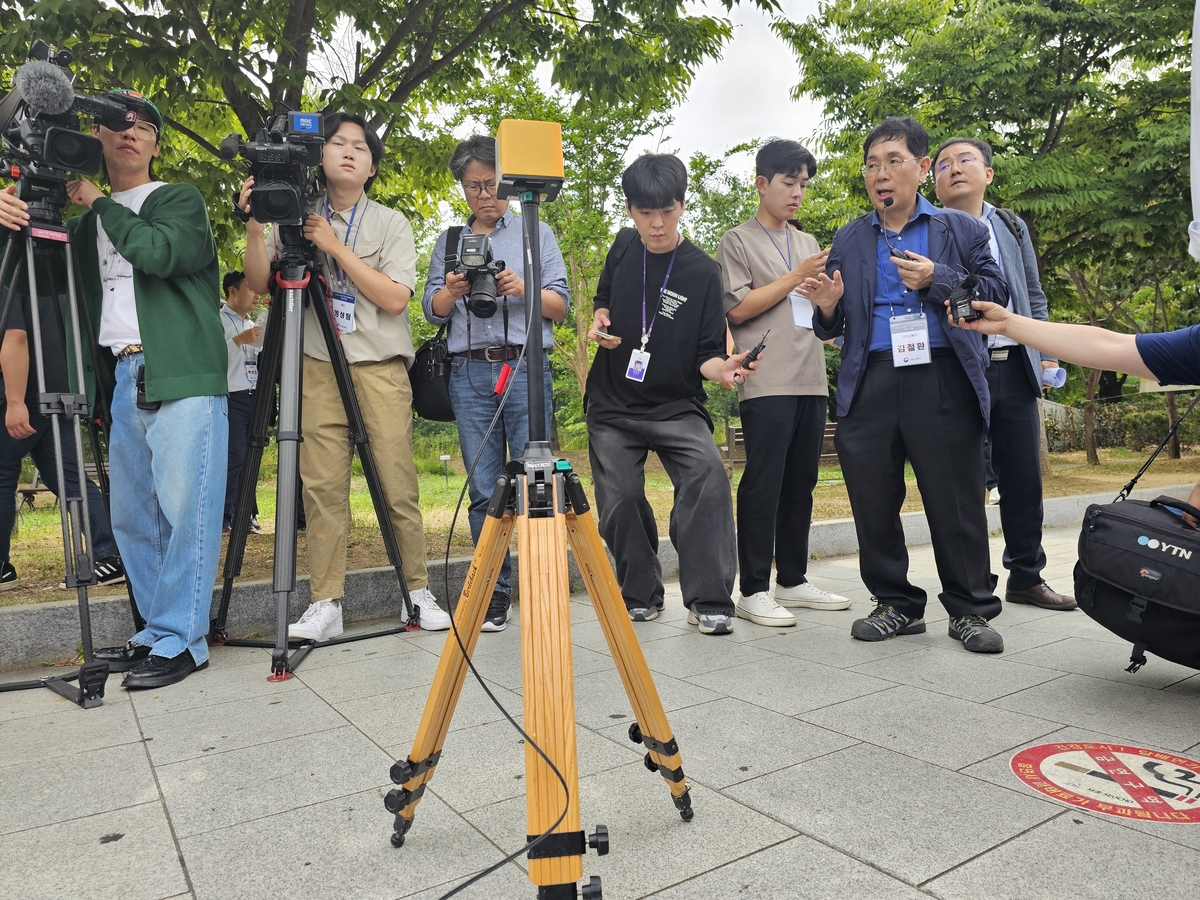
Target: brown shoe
1041, 595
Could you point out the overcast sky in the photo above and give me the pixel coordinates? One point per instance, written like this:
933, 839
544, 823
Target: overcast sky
745, 94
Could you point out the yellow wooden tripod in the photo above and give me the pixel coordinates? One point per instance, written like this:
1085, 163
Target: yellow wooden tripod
545, 501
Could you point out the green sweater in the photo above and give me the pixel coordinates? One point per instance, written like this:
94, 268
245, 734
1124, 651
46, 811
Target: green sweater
176, 287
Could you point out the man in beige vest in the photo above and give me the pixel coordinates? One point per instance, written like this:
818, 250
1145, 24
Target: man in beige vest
783, 408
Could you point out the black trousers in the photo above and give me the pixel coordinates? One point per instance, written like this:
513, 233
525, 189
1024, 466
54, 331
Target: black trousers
930, 415
701, 526
783, 436
241, 404
1016, 450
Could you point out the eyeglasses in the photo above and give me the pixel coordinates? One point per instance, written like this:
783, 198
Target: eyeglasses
145, 130
945, 165
475, 189
870, 170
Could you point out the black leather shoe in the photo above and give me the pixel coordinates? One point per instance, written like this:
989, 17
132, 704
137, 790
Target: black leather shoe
159, 671
122, 659
1043, 596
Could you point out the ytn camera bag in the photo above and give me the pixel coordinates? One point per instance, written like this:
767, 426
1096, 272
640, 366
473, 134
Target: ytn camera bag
1138, 573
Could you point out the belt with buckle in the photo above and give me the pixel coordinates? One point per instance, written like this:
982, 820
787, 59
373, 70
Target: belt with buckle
129, 350
494, 354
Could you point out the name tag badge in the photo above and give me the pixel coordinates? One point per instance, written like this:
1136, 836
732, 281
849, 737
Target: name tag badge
802, 311
910, 340
252, 374
343, 312
639, 362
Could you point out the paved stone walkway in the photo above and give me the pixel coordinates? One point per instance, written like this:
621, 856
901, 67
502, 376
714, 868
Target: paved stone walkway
821, 768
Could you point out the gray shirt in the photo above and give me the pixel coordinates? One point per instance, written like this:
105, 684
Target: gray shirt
507, 244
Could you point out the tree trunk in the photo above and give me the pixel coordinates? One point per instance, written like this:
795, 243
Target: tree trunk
1172, 415
1089, 418
1043, 442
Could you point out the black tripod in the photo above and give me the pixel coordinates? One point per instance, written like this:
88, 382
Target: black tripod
297, 281
46, 237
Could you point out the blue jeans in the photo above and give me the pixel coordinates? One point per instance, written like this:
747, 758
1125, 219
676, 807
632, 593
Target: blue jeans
40, 447
168, 489
468, 379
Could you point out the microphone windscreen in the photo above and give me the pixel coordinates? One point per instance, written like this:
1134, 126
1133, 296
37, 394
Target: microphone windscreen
887, 202
45, 87
228, 148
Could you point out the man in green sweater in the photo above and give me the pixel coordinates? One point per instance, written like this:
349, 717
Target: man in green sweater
150, 278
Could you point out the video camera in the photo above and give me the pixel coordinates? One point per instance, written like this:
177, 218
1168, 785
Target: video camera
283, 159
475, 261
39, 125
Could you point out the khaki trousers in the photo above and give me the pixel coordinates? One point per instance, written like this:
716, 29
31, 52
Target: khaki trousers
385, 398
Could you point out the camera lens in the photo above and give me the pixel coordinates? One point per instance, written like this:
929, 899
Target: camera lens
73, 151
482, 301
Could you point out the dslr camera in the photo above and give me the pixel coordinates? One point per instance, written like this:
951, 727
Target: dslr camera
475, 261
39, 126
961, 297
283, 160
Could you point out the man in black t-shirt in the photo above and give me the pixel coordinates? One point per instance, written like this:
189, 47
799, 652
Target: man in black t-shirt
660, 323
27, 432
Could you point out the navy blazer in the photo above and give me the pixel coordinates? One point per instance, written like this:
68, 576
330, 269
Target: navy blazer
957, 244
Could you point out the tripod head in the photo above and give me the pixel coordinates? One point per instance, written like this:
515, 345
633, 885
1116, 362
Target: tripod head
529, 165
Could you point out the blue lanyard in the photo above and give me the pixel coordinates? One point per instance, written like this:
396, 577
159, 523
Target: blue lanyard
662, 290
787, 239
338, 275
238, 321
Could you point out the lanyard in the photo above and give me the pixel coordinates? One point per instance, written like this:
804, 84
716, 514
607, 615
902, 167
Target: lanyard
662, 290
239, 322
338, 275
787, 239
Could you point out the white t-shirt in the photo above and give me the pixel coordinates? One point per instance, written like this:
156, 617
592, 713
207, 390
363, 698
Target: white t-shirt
118, 317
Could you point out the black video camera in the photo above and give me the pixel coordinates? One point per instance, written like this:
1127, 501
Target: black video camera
961, 297
475, 261
283, 160
39, 125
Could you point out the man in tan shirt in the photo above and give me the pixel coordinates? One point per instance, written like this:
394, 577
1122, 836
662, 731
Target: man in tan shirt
370, 265
783, 407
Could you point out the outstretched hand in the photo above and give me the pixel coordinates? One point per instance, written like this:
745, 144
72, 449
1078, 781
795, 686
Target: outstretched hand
823, 291
993, 321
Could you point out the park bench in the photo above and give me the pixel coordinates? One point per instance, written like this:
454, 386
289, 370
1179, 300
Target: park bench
29, 494
734, 450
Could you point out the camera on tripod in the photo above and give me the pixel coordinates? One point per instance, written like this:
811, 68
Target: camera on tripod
960, 299
283, 159
476, 263
39, 124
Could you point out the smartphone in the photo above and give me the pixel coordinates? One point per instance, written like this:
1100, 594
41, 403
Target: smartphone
601, 334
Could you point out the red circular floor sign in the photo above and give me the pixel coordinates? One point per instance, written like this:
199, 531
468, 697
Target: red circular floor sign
1115, 779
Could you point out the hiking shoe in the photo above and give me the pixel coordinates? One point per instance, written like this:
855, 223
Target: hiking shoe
976, 634
809, 596
8, 576
885, 622
320, 622
255, 527
643, 613
499, 612
710, 622
760, 609
432, 617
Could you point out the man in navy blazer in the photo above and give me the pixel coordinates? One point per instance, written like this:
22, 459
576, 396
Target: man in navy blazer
962, 170
911, 388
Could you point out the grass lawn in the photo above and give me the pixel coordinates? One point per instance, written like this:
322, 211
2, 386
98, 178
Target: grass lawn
37, 545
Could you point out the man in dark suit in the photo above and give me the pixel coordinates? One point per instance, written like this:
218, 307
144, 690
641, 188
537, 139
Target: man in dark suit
910, 387
962, 170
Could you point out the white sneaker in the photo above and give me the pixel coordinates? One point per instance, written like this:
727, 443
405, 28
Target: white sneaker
762, 610
809, 596
994, 497
320, 622
433, 617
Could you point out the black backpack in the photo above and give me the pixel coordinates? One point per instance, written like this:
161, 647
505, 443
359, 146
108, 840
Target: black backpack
1138, 573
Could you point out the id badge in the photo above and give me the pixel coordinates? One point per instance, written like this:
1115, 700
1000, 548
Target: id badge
802, 311
910, 340
639, 362
252, 374
343, 312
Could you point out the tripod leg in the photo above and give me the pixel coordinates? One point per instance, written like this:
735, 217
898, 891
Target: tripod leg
414, 773
358, 434
548, 680
651, 728
260, 420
